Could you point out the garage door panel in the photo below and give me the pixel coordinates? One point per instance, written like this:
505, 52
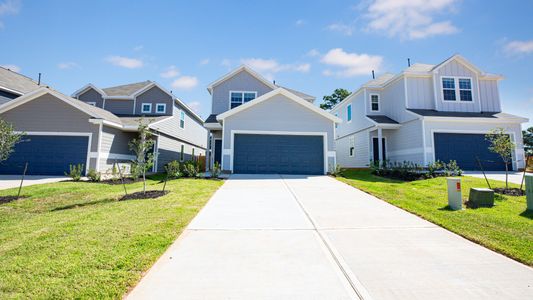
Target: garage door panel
464, 148
46, 155
284, 154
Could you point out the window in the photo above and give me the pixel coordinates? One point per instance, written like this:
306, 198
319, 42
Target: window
448, 89
92, 103
465, 89
336, 124
238, 98
349, 112
351, 140
181, 152
374, 102
182, 119
160, 108
146, 108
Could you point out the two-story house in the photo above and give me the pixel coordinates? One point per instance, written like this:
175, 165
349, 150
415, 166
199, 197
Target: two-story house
94, 127
256, 126
426, 113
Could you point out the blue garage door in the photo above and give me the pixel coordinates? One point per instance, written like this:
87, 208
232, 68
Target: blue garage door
464, 148
46, 155
278, 154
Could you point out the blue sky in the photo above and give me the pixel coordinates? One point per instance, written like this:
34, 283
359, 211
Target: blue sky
312, 46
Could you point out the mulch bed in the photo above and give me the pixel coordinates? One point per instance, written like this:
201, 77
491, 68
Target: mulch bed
510, 192
7, 199
141, 195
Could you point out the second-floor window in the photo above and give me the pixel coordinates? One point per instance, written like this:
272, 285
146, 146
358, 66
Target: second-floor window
454, 88
182, 119
374, 102
336, 124
146, 108
349, 113
239, 97
160, 108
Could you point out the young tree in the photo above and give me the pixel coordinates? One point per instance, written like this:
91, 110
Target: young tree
502, 145
141, 146
528, 141
337, 96
8, 139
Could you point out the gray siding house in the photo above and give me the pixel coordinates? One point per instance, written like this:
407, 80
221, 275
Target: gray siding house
426, 113
259, 127
95, 129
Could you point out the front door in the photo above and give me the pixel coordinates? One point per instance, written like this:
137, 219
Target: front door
218, 151
375, 149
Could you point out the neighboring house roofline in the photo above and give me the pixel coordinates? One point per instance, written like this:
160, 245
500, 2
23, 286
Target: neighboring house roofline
269, 95
9, 90
235, 72
87, 87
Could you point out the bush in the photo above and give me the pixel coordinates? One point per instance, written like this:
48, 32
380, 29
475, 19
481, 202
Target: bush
216, 170
75, 172
190, 169
410, 171
335, 171
93, 175
173, 169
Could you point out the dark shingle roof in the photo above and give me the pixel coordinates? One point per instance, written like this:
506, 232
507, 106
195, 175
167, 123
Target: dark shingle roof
126, 89
211, 119
382, 119
435, 113
17, 82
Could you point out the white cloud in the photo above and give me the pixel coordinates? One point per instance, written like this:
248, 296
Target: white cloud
13, 68
67, 65
226, 63
519, 47
341, 28
272, 66
204, 61
410, 19
9, 7
300, 22
195, 106
125, 62
313, 53
351, 64
185, 83
170, 72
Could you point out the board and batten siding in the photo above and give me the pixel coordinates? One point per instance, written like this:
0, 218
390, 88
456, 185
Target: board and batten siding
489, 95
276, 114
420, 93
456, 69
241, 81
153, 96
90, 95
49, 114
392, 102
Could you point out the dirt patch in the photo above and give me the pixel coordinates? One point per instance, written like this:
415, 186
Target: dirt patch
141, 195
7, 199
510, 192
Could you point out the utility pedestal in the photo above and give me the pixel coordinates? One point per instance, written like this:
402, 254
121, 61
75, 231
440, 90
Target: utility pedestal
455, 198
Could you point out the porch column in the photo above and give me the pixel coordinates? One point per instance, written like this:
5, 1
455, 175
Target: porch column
208, 152
380, 144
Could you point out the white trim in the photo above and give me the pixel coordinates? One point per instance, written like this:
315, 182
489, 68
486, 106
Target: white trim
379, 102
86, 87
12, 91
142, 108
323, 134
242, 94
57, 133
349, 117
91, 103
99, 147
182, 113
213, 126
213, 150
405, 93
351, 139
457, 89
496, 120
424, 142
386, 152
351, 96
270, 95
237, 71
156, 154
164, 108
113, 156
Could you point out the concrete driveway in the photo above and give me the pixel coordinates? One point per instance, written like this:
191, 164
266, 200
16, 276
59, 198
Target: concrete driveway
514, 177
11, 181
298, 237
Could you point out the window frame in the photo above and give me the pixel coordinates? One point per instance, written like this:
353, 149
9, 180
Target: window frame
351, 146
182, 119
457, 89
242, 97
349, 113
142, 108
164, 108
378, 103
91, 103
336, 124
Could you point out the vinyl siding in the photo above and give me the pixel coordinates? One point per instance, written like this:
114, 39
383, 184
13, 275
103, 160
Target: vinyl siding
119, 106
169, 149
194, 133
276, 114
359, 119
91, 95
489, 95
114, 141
477, 127
361, 156
154, 95
454, 68
406, 143
420, 93
242, 81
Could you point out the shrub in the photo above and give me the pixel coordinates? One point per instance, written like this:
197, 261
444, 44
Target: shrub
190, 169
75, 172
173, 169
216, 170
410, 171
335, 170
93, 175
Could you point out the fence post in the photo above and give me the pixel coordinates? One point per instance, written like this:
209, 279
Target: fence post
22, 179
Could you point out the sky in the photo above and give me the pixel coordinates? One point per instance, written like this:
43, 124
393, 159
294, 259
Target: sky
311, 46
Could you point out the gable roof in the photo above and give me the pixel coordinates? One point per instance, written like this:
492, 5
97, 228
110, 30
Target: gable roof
270, 95
237, 71
16, 83
85, 88
126, 89
300, 94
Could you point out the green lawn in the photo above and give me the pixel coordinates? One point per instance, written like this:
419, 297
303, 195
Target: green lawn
75, 240
506, 227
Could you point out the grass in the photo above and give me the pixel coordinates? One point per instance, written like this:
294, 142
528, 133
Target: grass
76, 240
506, 228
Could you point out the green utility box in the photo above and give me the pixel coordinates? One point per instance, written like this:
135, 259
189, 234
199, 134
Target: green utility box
481, 197
529, 191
